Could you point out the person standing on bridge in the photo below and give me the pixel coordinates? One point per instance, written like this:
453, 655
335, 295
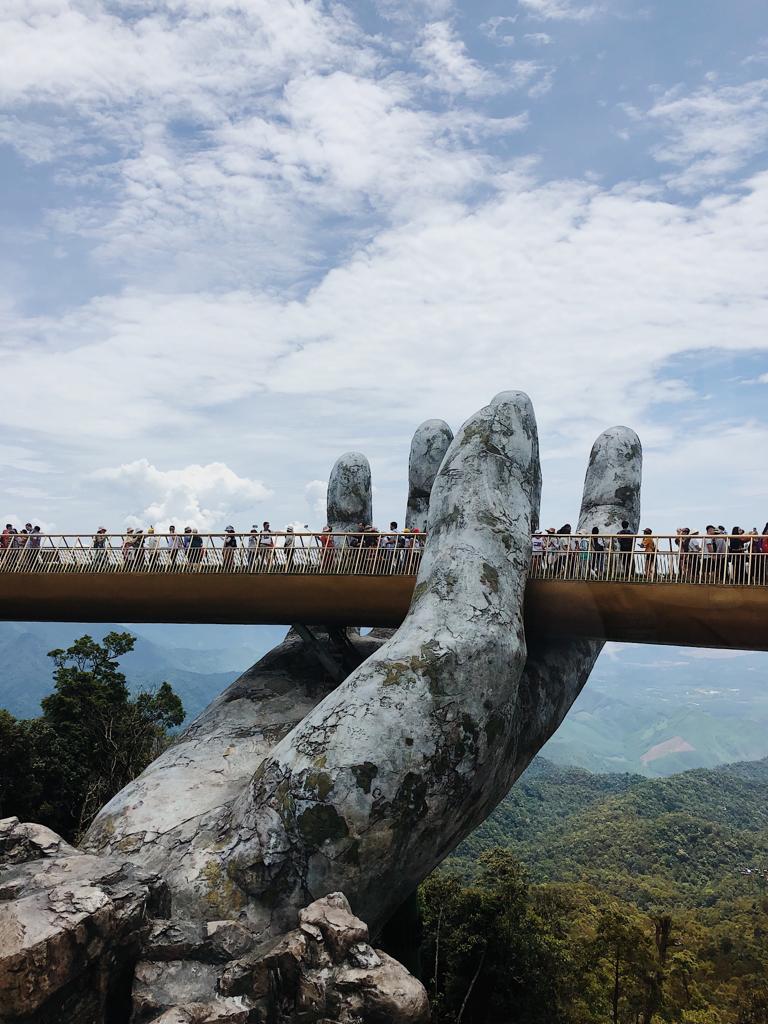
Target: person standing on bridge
35, 538
626, 544
195, 552
253, 547
128, 550
229, 549
327, 549
151, 545
648, 544
597, 559
266, 546
762, 557
288, 544
174, 544
99, 545
736, 556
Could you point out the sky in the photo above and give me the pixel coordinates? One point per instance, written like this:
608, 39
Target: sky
240, 237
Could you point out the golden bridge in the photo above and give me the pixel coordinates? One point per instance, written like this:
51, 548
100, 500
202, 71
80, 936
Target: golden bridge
606, 587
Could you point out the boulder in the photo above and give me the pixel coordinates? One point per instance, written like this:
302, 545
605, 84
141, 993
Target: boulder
161, 985
338, 926
71, 927
324, 972
222, 1011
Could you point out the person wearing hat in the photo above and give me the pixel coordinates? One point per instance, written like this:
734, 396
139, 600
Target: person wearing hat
266, 544
253, 547
288, 544
195, 553
99, 544
229, 549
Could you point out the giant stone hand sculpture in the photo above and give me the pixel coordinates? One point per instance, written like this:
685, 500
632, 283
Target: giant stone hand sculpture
366, 787
289, 787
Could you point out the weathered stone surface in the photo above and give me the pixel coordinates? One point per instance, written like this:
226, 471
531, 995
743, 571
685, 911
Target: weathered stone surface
161, 985
227, 940
388, 993
222, 1011
317, 973
332, 916
428, 447
24, 841
395, 766
349, 493
175, 940
556, 670
72, 930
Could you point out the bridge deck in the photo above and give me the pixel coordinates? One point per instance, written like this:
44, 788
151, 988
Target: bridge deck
720, 603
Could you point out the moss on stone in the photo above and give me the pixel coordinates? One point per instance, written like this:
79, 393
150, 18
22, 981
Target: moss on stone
321, 823
223, 896
364, 774
319, 783
490, 577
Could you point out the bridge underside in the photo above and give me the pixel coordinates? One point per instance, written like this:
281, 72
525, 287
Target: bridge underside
692, 615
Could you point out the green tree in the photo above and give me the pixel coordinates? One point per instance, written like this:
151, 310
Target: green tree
17, 788
91, 739
492, 955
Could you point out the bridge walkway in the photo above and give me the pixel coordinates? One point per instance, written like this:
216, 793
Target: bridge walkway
599, 587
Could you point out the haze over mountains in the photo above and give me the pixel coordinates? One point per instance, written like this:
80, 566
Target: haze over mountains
649, 710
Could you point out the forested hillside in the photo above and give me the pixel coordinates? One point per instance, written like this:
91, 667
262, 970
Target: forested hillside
589, 898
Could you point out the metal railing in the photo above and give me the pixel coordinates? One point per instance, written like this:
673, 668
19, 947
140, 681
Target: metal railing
370, 553
723, 559
701, 558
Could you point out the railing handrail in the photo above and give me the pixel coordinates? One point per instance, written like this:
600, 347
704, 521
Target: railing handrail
608, 557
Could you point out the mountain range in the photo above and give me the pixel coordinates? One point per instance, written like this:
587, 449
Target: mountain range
647, 710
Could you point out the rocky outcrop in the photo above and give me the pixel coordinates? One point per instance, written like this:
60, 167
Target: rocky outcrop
325, 970
428, 447
71, 928
81, 942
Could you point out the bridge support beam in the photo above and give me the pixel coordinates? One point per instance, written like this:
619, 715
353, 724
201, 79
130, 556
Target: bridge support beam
338, 656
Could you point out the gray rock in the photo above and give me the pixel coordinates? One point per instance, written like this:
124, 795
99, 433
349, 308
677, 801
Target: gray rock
321, 971
175, 940
385, 994
222, 1011
332, 916
349, 493
73, 929
24, 841
428, 447
227, 940
162, 985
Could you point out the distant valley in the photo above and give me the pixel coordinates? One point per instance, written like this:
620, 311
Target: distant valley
647, 710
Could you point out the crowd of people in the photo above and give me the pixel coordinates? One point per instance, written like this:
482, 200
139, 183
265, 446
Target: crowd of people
261, 548
691, 556
713, 554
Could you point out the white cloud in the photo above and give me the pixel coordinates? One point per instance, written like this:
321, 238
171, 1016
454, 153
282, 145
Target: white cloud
497, 30
560, 10
538, 38
448, 66
712, 132
198, 496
